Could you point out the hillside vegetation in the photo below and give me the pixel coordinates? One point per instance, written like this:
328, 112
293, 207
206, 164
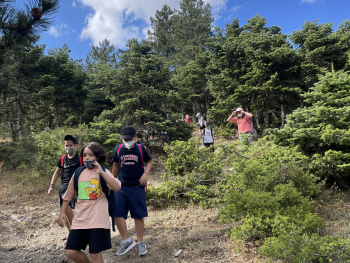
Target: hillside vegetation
284, 194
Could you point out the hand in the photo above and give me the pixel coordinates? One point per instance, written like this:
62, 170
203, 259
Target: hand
97, 168
63, 219
143, 179
234, 113
50, 191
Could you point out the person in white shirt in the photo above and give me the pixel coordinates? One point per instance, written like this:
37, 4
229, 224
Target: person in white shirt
208, 136
201, 123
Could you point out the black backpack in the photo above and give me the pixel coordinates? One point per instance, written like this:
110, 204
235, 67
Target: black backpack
109, 193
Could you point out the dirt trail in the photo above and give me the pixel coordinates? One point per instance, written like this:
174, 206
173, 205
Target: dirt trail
30, 234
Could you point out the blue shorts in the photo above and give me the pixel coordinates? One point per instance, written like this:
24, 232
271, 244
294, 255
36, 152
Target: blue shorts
133, 199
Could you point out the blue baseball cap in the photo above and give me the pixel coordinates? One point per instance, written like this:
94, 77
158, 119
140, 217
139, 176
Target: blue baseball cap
127, 133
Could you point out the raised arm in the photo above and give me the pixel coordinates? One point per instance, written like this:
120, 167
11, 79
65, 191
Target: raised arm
231, 116
249, 115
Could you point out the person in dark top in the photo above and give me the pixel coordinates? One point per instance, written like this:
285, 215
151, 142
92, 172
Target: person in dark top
67, 164
128, 167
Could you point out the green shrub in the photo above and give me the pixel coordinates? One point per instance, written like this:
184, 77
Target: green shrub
267, 190
192, 174
228, 131
321, 128
106, 133
38, 153
298, 247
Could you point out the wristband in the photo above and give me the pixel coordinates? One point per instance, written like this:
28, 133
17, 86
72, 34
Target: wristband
145, 172
51, 185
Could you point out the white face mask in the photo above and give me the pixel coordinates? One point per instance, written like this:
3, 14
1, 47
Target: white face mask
129, 144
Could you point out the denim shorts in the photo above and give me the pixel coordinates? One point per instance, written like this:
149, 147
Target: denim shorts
248, 135
133, 199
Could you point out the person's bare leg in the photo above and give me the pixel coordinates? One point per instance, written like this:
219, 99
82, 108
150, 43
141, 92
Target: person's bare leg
70, 215
96, 258
77, 256
121, 225
140, 228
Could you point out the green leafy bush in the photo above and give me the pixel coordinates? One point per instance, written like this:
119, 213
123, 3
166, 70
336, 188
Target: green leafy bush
298, 247
38, 153
321, 128
193, 174
265, 189
268, 190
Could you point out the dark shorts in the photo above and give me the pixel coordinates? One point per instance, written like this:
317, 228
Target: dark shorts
202, 127
71, 204
98, 239
133, 199
208, 145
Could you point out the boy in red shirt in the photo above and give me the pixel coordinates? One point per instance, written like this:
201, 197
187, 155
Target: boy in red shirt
243, 121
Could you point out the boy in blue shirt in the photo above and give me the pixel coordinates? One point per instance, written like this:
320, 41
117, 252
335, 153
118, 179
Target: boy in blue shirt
128, 168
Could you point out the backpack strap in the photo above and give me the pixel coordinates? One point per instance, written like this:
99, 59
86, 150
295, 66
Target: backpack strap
62, 159
119, 148
110, 197
76, 177
103, 182
140, 148
64, 156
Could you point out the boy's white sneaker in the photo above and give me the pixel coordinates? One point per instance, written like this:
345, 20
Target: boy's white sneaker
126, 246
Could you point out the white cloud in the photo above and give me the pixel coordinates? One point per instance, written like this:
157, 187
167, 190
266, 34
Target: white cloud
217, 7
57, 31
236, 8
112, 19
74, 4
308, 1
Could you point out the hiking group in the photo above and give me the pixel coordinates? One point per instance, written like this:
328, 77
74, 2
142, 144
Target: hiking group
242, 119
96, 194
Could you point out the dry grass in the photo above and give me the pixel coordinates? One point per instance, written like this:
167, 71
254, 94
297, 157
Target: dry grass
18, 186
334, 207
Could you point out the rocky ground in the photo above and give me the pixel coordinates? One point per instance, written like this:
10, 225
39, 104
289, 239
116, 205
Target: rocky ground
30, 234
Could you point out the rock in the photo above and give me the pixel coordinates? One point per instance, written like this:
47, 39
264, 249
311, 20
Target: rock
11, 248
178, 253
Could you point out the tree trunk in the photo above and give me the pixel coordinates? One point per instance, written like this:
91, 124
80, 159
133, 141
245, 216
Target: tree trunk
80, 118
207, 103
194, 108
7, 116
267, 120
257, 118
283, 113
56, 115
273, 122
19, 114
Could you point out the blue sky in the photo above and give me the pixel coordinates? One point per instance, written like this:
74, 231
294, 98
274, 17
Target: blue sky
81, 23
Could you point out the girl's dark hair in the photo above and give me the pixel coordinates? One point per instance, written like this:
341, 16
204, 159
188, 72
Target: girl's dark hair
97, 150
